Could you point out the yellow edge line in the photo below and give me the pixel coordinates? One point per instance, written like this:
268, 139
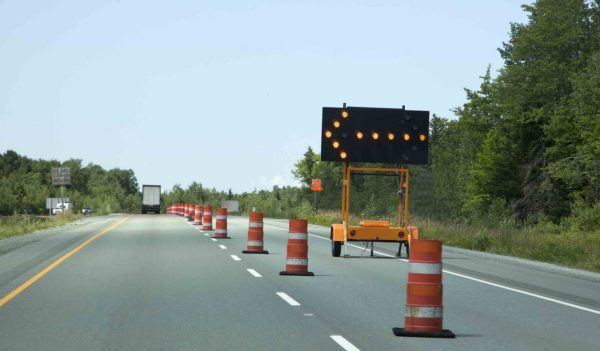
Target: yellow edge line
54, 264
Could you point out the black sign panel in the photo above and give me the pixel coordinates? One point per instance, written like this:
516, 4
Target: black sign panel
380, 135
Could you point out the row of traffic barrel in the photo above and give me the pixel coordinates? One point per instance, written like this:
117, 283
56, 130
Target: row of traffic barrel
297, 246
423, 315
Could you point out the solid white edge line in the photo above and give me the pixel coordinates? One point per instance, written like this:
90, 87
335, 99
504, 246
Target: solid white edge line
345, 344
523, 292
254, 273
223, 247
288, 299
235, 258
541, 297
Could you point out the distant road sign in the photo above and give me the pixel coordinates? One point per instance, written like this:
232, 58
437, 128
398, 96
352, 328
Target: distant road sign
231, 205
52, 202
316, 185
61, 176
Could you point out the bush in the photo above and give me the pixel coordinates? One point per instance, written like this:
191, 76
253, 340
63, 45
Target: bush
584, 217
482, 241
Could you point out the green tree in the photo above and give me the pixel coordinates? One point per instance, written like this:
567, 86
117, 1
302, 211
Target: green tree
304, 170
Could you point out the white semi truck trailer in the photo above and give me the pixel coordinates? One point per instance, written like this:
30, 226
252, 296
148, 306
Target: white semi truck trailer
150, 199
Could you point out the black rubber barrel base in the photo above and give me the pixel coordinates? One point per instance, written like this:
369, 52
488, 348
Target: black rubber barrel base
265, 252
216, 237
445, 333
303, 274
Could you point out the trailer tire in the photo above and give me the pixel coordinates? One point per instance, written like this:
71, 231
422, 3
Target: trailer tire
336, 248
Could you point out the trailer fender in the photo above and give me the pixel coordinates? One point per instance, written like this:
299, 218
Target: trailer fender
337, 232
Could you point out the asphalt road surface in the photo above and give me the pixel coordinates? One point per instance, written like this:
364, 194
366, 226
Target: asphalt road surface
155, 282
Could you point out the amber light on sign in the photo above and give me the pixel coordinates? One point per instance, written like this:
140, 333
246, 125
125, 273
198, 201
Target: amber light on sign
328, 134
343, 154
422, 137
336, 144
344, 114
391, 136
359, 135
375, 135
336, 124
406, 137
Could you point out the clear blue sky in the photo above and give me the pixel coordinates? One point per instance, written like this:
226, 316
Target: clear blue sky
227, 93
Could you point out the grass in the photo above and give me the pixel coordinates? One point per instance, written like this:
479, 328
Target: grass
22, 224
550, 243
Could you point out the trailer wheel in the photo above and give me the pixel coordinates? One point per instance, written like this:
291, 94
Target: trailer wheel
336, 248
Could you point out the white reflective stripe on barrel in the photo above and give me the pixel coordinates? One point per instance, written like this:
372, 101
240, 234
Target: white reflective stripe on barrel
297, 261
256, 225
208, 213
424, 268
255, 243
221, 231
424, 312
298, 236
221, 217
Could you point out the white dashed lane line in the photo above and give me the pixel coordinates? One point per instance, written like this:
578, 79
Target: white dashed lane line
254, 273
223, 247
288, 299
235, 258
213, 239
345, 344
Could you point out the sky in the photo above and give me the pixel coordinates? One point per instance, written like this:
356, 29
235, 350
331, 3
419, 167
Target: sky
227, 93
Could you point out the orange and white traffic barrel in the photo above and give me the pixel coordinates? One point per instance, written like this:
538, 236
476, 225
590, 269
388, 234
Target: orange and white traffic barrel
207, 218
221, 224
297, 249
255, 234
424, 292
197, 215
191, 212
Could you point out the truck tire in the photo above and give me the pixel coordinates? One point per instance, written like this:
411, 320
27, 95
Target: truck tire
336, 248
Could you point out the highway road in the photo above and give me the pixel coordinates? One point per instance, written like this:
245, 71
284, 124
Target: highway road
155, 282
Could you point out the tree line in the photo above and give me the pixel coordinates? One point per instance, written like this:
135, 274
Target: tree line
524, 147
526, 143
26, 183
